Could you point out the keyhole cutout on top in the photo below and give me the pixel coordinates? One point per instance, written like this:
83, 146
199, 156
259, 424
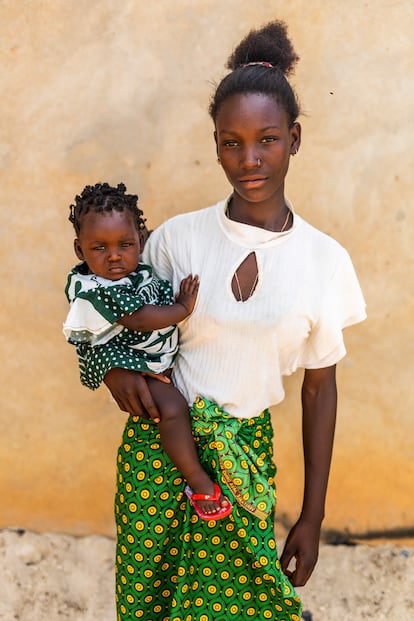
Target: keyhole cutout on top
245, 279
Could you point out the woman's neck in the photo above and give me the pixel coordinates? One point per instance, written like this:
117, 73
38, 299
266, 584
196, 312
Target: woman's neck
272, 215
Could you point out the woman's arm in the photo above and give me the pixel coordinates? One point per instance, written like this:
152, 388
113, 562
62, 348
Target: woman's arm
319, 400
150, 317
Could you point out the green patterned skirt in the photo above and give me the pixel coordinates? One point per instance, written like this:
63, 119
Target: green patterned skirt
173, 566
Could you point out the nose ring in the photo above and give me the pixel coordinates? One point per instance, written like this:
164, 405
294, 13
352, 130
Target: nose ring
259, 162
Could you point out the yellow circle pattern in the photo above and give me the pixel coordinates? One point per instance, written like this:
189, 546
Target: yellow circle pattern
172, 565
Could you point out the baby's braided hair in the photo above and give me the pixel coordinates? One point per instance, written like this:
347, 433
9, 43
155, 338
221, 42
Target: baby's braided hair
103, 197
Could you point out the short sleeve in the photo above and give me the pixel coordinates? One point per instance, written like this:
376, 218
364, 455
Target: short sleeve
85, 324
341, 305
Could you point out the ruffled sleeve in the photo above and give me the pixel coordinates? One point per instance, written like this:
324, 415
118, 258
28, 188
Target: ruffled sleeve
342, 305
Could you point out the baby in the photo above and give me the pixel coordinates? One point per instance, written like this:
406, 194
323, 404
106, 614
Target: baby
121, 315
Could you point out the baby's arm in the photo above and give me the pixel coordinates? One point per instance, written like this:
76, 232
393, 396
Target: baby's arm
151, 317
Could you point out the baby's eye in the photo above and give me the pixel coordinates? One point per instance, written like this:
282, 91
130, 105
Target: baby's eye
99, 248
126, 244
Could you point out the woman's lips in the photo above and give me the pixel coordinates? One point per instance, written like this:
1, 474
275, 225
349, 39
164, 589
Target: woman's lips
252, 182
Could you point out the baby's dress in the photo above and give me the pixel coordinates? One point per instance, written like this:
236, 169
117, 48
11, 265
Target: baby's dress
101, 343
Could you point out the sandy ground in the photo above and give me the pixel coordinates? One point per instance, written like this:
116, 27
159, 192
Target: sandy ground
53, 577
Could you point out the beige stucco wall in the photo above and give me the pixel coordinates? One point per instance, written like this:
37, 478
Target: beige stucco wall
114, 91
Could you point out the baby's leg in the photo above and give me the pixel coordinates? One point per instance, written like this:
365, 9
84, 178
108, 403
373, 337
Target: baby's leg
177, 440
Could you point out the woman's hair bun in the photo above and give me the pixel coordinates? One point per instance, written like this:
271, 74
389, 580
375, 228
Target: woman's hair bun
267, 44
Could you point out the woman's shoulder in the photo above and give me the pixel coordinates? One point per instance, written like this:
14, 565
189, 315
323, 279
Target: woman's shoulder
317, 240
183, 230
179, 236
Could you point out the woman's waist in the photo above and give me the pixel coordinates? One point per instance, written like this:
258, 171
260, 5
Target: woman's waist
242, 395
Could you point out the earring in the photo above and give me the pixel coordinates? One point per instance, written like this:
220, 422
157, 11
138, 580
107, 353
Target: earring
259, 162
295, 151
219, 161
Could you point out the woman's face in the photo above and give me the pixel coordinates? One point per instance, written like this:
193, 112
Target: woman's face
252, 127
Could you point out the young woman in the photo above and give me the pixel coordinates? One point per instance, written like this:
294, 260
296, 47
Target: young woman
274, 296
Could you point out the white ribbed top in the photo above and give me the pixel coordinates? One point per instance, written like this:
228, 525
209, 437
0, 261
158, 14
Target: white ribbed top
235, 353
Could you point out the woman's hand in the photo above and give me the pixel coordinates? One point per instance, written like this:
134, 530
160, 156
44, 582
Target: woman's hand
318, 418
131, 393
302, 544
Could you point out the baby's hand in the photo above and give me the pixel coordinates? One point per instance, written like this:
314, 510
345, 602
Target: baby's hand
188, 293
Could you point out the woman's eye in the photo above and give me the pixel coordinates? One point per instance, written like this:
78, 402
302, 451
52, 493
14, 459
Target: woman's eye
269, 139
230, 143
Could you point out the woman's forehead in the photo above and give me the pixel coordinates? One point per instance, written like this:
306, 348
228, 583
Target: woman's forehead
251, 109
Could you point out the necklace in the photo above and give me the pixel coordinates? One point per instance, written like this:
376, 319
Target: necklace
236, 278
227, 212
286, 221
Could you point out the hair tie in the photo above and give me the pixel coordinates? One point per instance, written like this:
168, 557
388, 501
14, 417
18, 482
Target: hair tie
263, 63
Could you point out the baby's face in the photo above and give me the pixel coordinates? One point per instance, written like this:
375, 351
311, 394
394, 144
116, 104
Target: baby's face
109, 243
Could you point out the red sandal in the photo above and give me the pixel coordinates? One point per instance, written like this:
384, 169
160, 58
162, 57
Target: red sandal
217, 515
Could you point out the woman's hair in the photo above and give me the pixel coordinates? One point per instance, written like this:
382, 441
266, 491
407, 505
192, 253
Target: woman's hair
273, 58
102, 197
